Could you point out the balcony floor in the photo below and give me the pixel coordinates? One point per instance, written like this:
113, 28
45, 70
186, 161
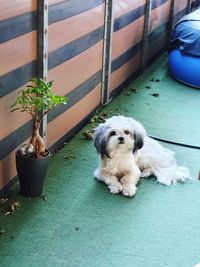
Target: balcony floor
82, 225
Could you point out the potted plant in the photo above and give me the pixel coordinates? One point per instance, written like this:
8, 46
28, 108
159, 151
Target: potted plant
37, 99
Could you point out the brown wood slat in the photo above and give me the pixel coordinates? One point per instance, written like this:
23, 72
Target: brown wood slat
179, 5
18, 52
122, 7
159, 16
75, 71
127, 37
68, 30
13, 8
123, 73
62, 124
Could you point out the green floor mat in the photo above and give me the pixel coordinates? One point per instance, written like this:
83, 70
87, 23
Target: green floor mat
78, 223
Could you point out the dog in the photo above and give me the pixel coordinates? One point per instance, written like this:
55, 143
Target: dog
127, 153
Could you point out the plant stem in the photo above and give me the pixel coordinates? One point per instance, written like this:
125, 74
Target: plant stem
37, 141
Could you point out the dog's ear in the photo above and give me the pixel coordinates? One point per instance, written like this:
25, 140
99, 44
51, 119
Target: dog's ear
138, 132
101, 140
139, 142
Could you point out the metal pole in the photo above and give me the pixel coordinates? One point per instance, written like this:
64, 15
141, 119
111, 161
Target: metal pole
189, 3
171, 21
107, 51
42, 49
145, 41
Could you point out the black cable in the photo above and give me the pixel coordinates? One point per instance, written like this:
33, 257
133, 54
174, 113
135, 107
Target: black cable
174, 143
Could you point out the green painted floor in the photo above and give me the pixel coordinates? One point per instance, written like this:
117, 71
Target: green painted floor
80, 224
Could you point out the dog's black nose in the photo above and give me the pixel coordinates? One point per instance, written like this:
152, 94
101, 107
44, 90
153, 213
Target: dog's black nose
121, 139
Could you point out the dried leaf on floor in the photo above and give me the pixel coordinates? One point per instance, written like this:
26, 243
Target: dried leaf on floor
3, 200
133, 89
3, 231
69, 157
8, 213
155, 94
87, 135
13, 206
98, 118
44, 198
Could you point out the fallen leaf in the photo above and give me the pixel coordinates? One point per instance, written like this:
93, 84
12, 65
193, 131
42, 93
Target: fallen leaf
14, 206
8, 213
3, 231
44, 198
133, 89
87, 135
3, 200
127, 93
69, 157
155, 94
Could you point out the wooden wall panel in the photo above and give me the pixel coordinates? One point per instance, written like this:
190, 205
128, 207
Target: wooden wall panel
179, 6
11, 121
127, 37
13, 8
18, 52
77, 39
125, 72
68, 30
126, 40
69, 119
121, 7
159, 16
72, 73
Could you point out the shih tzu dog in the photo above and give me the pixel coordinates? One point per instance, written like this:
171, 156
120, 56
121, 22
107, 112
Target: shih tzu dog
127, 153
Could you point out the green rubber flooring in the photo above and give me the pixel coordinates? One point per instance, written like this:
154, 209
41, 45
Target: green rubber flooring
78, 223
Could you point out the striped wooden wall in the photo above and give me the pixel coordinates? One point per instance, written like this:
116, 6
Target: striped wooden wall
128, 34
159, 25
18, 41
127, 37
75, 33
75, 62
180, 10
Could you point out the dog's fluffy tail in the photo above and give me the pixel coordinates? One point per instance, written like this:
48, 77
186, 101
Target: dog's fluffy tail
171, 175
161, 162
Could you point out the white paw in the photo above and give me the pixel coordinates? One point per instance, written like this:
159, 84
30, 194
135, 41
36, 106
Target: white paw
129, 190
115, 188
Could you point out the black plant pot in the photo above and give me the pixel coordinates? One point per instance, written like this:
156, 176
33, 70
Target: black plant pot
31, 173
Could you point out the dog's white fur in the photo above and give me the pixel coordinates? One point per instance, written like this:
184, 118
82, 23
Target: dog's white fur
122, 163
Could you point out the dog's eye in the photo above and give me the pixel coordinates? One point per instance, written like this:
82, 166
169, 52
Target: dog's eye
127, 132
112, 133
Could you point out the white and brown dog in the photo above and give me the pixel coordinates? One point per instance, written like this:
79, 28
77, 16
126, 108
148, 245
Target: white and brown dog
127, 153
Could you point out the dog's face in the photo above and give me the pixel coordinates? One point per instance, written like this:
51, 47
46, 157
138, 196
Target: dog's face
120, 138
118, 133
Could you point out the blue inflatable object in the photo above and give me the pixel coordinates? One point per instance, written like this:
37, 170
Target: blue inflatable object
184, 54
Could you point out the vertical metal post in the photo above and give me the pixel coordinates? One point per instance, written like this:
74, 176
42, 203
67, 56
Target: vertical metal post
42, 49
189, 3
171, 21
145, 41
107, 51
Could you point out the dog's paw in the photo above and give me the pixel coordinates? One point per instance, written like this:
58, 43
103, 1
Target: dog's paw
115, 188
129, 190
